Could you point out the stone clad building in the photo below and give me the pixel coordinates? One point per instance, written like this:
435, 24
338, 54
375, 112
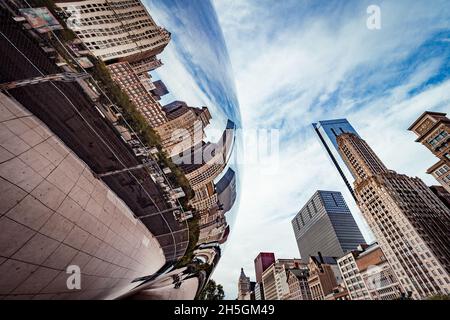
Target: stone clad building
274, 279
298, 284
433, 131
185, 127
368, 275
410, 223
323, 276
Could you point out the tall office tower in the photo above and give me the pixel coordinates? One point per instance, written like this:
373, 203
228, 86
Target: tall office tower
185, 127
327, 131
326, 225
135, 87
117, 30
263, 261
411, 224
433, 130
226, 190
244, 286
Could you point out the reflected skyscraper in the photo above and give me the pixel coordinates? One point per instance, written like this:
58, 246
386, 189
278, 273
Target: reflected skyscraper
226, 190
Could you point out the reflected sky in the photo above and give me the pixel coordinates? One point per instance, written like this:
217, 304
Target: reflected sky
196, 63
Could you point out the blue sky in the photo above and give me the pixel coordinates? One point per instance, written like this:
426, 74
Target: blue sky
293, 63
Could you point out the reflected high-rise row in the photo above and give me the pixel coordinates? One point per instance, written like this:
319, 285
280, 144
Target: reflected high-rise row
86, 181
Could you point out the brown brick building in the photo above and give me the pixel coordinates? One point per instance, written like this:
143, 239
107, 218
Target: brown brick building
433, 131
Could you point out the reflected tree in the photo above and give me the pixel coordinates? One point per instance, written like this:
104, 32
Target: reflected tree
212, 291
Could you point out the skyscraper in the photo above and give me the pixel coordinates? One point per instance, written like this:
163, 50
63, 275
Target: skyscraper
326, 225
433, 130
262, 262
117, 30
411, 224
226, 190
327, 131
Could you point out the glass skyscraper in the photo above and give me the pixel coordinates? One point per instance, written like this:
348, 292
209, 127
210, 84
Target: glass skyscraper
326, 225
327, 132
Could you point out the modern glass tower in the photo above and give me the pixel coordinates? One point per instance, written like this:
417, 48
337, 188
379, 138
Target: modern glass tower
327, 132
326, 225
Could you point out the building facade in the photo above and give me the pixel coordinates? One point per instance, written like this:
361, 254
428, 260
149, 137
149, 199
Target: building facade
117, 30
269, 284
185, 127
442, 194
258, 291
339, 293
226, 190
215, 230
352, 278
325, 224
368, 275
134, 86
281, 283
203, 164
433, 131
297, 280
263, 261
410, 223
323, 276
378, 275
274, 278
